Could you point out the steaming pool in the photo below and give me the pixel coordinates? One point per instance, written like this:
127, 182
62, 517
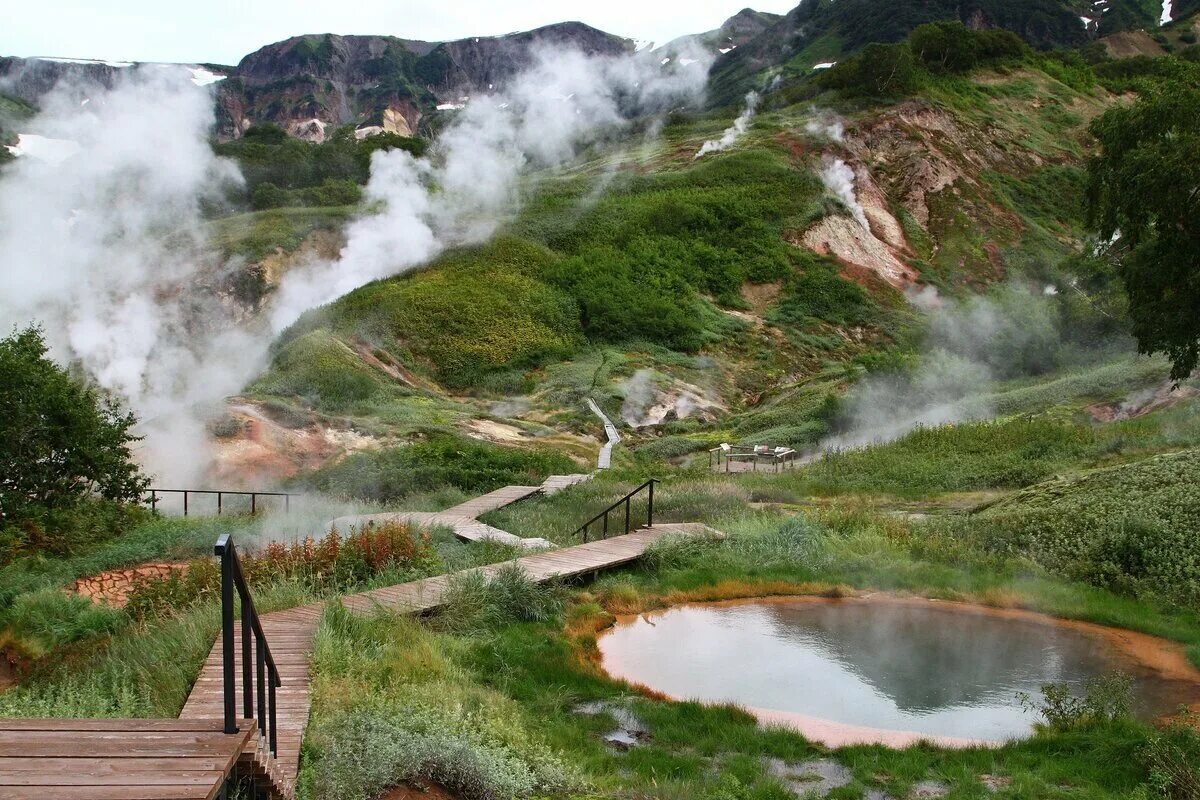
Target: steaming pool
885, 670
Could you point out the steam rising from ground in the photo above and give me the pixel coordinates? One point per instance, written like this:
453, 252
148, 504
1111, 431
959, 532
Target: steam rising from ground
969, 345
838, 178
565, 102
734, 131
107, 249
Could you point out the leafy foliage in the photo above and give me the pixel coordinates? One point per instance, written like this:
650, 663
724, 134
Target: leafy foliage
284, 171
394, 473
332, 562
1145, 185
66, 469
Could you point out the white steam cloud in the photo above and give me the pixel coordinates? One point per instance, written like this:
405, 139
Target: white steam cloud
969, 345
838, 178
734, 131
826, 125
468, 187
107, 248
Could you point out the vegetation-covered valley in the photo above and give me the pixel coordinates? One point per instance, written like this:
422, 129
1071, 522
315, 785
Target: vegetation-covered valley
922, 271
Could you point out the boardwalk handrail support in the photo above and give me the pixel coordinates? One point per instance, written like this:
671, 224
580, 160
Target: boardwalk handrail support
648, 486
776, 458
267, 674
220, 493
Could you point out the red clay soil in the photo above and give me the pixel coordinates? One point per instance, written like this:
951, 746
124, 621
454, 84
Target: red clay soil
113, 587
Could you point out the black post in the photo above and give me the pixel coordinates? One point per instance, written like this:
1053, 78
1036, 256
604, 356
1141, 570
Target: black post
247, 656
650, 507
153, 501
261, 657
185, 502
585, 533
225, 552
626, 514
271, 684
605, 536
218, 504
253, 503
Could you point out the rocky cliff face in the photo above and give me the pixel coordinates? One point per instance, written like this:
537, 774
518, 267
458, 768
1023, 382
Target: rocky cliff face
307, 84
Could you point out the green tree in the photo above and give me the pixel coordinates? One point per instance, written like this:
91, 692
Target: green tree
62, 446
1144, 184
880, 70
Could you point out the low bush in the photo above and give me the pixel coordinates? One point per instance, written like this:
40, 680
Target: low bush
39, 622
330, 563
1172, 757
475, 601
1106, 698
1130, 528
472, 466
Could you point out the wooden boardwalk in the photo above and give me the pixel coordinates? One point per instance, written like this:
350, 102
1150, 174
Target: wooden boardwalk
190, 758
290, 633
463, 518
118, 759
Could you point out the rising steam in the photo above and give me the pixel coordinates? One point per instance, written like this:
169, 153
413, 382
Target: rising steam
734, 131
468, 187
108, 250
968, 347
838, 178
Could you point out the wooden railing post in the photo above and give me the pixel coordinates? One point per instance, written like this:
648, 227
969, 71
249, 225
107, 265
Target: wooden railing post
650, 506
224, 551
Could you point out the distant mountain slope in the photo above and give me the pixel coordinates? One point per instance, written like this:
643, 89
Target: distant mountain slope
822, 31
381, 82
742, 28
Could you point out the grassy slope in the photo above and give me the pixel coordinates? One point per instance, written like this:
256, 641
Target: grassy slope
585, 288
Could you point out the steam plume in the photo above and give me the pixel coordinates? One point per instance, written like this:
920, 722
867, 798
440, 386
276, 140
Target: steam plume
734, 131
108, 249
468, 187
838, 178
969, 345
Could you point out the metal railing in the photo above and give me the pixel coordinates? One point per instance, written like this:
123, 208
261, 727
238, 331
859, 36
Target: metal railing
258, 691
648, 487
221, 495
773, 459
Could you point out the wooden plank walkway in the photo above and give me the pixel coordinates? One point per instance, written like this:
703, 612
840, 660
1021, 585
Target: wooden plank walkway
117, 759
611, 435
191, 757
290, 633
463, 518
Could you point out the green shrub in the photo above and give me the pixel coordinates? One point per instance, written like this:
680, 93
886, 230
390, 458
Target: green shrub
42, 621
1172, 757
475, 601
1130, 528
879, 70
473, 466
1106, 699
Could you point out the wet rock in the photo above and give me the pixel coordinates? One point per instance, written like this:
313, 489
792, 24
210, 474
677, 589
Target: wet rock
816, 778
994, 783
929, 789
632, 731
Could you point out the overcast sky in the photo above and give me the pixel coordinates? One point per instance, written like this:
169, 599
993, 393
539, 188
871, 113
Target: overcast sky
222, 31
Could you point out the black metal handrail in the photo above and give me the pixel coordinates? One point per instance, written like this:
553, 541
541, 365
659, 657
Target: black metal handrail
220, 493
648, 487
266, 673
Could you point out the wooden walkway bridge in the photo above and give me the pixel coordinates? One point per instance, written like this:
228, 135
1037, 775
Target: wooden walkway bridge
192, 757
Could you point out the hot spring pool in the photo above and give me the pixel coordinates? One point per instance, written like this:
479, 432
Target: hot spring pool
862, 670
